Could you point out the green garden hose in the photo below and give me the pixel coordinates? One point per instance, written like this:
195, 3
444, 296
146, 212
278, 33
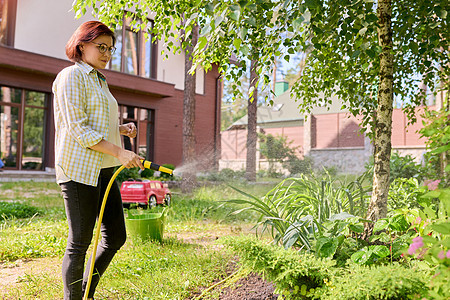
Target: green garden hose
148, 165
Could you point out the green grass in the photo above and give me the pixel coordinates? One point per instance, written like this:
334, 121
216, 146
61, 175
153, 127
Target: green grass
173, 269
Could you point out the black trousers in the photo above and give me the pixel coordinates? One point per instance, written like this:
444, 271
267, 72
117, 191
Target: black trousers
83, 203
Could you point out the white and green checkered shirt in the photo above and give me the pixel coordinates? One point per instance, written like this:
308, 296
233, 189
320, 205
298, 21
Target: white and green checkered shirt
81, 121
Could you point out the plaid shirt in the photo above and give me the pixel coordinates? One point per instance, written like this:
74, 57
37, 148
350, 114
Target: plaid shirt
81, 120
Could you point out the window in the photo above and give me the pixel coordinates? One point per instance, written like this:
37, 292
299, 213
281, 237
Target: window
7, 21
143, 118
134, 54
23, 123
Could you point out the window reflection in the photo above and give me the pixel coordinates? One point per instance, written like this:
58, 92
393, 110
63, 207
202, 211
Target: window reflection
130, 56
3, 22
134, 53
27, 135
116, 58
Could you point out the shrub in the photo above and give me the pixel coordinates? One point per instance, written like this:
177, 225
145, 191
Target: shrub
147, 173
126, 174
292, 272
276, 149
402, 167
16, 210
437, 136
381, 282
404, 193
296, 165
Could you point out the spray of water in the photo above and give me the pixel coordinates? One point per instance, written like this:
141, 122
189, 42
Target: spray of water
202, 162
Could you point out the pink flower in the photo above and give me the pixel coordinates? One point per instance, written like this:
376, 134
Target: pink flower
418, 220
441, 255
418, 240
448, 254
432, 185
416, 244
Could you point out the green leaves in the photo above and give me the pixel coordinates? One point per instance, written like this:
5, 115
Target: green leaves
235, 12
443, 228
369, 255
237, 44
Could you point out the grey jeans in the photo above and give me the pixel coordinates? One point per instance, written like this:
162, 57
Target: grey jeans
83, 203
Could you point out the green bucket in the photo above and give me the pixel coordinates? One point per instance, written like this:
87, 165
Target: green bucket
146, 226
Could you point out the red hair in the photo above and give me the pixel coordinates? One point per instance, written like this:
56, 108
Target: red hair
87, 32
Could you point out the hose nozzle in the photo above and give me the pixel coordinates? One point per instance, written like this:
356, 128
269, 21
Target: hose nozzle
149, 165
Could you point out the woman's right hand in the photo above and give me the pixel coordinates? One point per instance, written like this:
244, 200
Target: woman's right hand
129, 159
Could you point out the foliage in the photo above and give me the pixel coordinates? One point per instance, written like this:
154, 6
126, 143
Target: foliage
353, 50
297, 166
296, 207
16, 210
432, 241
125, 174
336, 237
147, 173
380, 282
437, 131
292, 272
405, 193
276, 149
404, 167
401, 167
225, 175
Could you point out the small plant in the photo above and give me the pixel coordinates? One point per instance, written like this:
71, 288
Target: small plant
276, 149
297, 166
125, 174
147, 173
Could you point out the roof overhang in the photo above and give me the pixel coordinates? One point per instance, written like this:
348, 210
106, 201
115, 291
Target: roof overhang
20, 60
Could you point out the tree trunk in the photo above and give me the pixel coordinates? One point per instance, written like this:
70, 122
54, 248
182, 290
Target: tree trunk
250, 172
383, 119
188, 176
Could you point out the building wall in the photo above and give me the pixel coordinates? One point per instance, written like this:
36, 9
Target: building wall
233, 144
346, 160
335, 141
336, 131
45, 26
294, 135
404, 134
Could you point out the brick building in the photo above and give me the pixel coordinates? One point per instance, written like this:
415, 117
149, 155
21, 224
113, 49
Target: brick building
329, 135
149, 90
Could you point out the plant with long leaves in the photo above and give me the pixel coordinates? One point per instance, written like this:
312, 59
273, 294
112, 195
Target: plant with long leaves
294, 211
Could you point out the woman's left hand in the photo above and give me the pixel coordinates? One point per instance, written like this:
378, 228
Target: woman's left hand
128, 129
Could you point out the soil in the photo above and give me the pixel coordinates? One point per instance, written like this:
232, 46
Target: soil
252, 287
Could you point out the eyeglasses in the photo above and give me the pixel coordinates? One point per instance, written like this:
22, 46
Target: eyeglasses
103, 48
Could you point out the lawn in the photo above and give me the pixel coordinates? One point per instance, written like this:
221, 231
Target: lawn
188, 259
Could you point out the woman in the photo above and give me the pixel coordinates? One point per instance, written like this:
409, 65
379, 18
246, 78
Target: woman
87, 148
